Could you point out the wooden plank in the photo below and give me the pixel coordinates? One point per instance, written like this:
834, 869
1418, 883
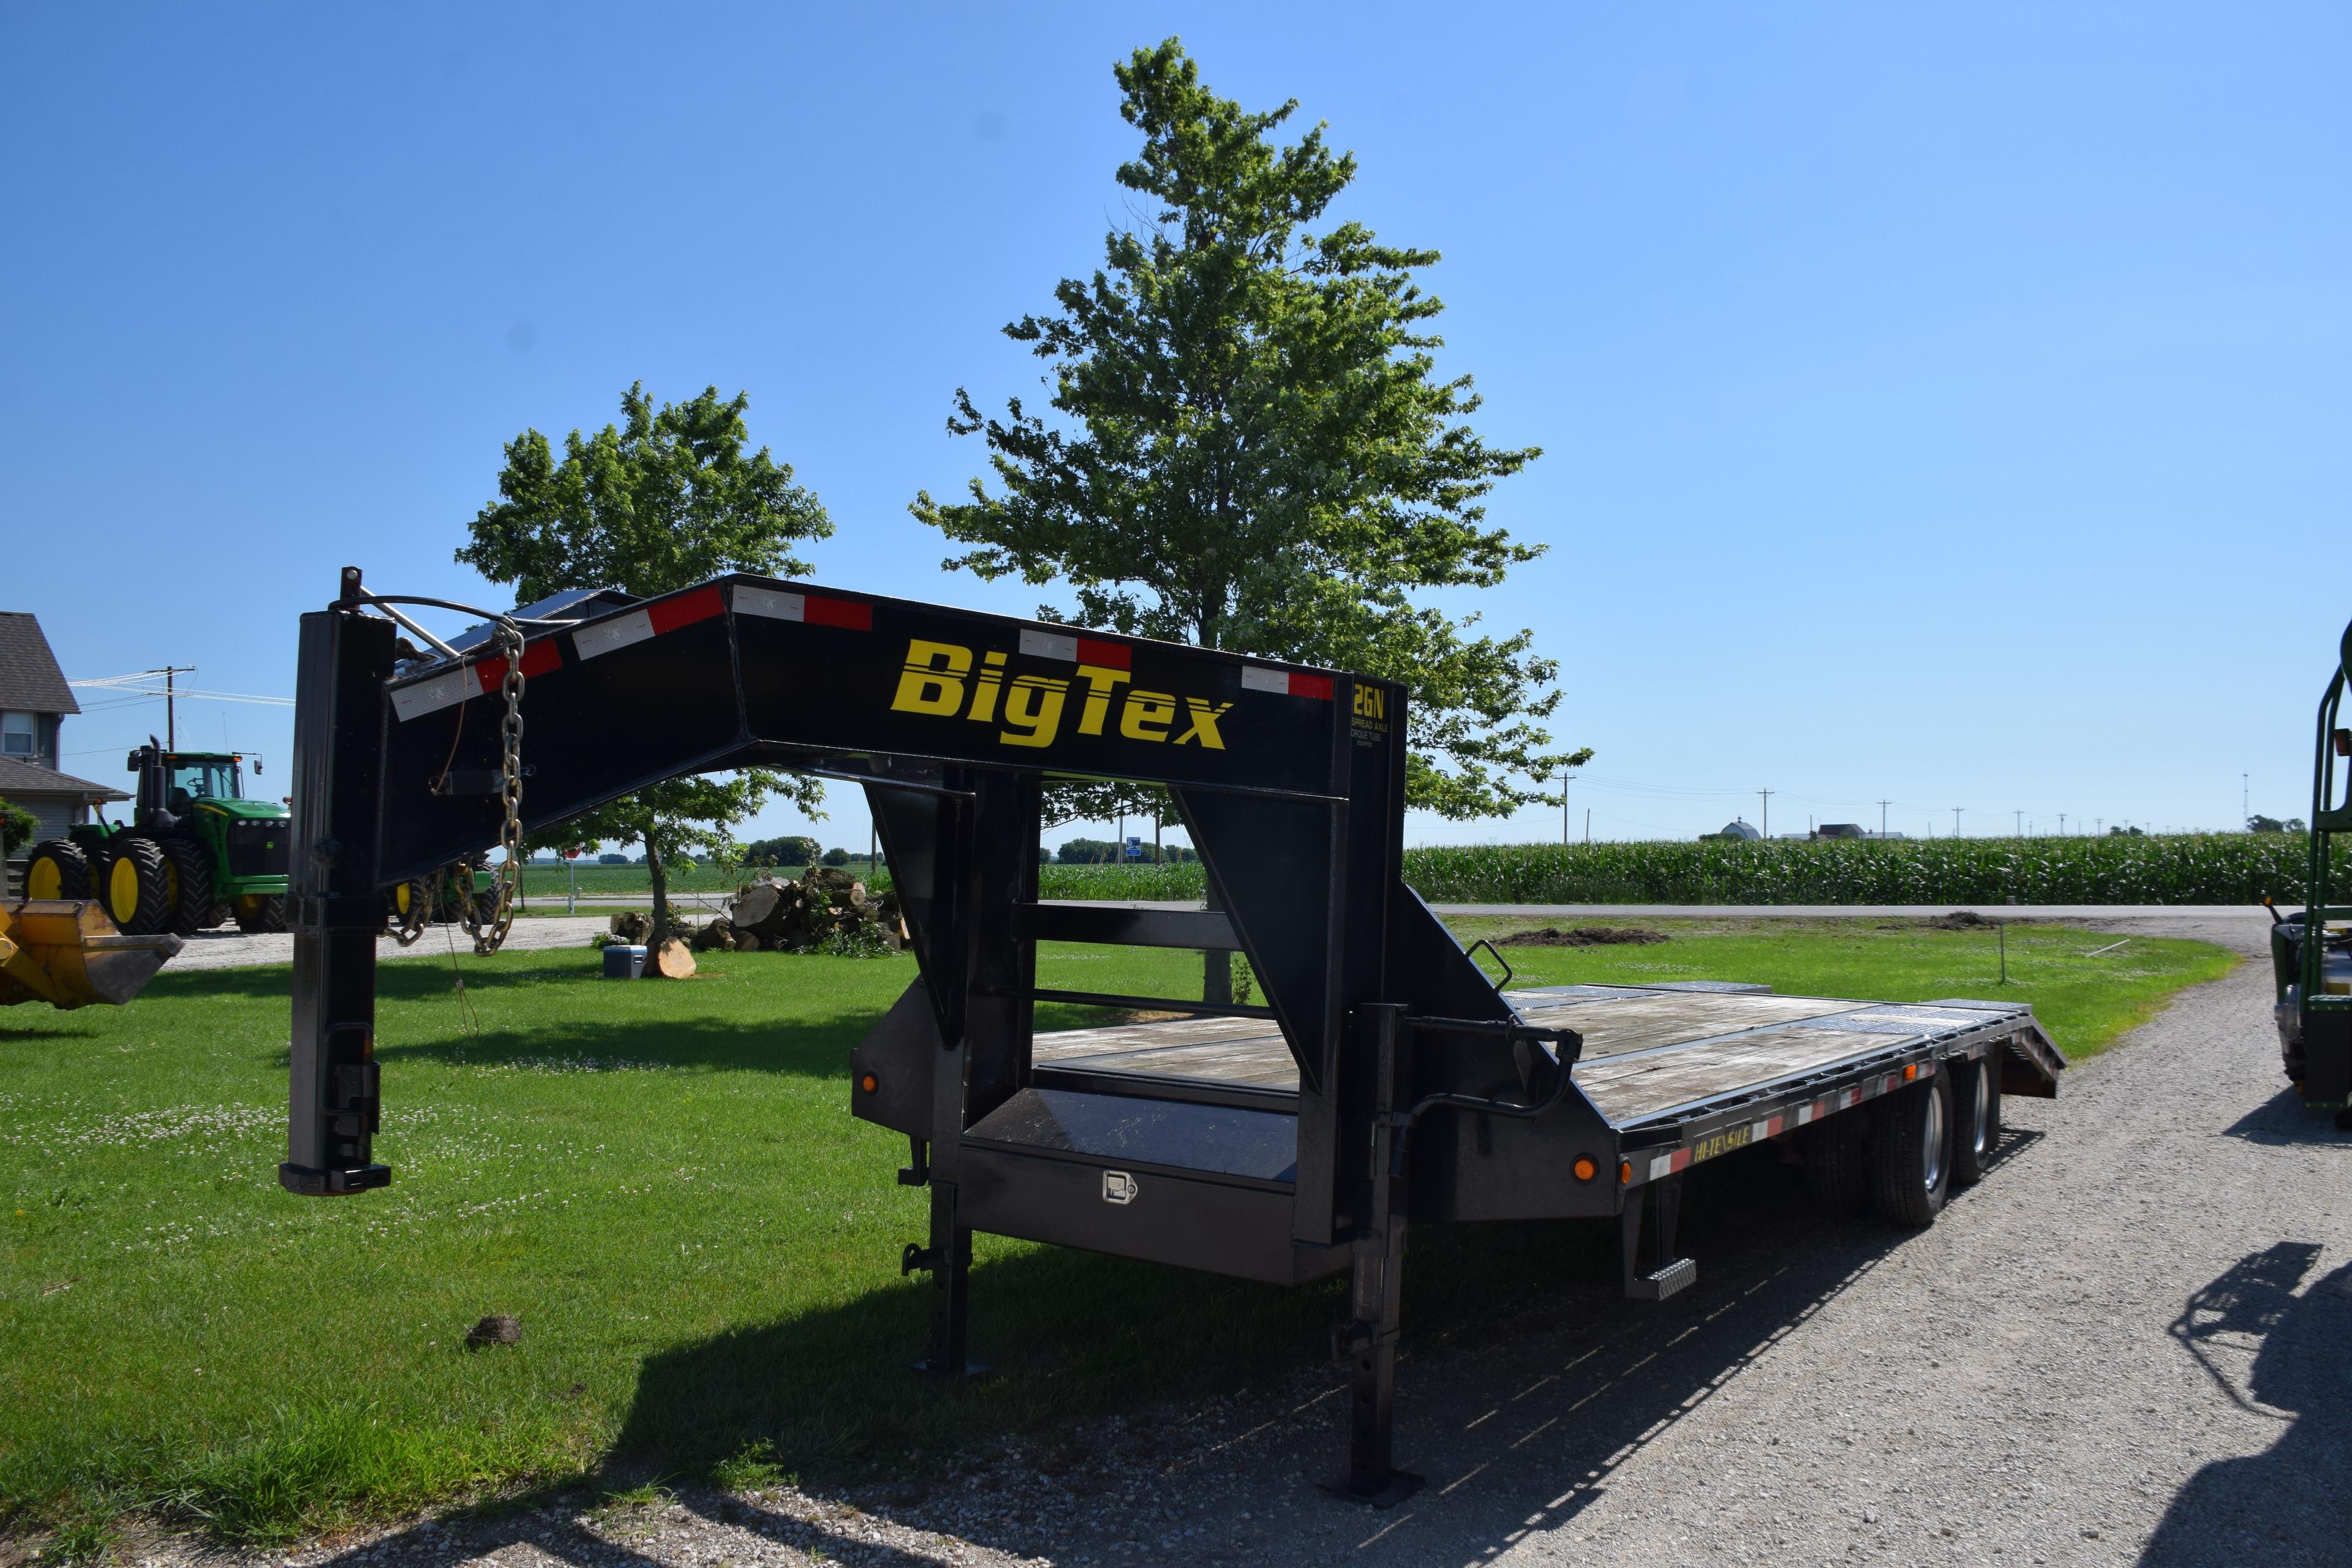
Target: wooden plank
1644, 1051
1627, 1091
1612, 1026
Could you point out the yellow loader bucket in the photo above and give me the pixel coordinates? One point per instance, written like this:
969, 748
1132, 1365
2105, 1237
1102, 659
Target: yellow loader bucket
64, 952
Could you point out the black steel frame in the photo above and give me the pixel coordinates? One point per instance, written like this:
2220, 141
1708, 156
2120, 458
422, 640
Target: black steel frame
1422, 1096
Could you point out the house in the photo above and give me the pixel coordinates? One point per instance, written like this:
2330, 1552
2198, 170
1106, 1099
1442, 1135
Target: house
34, 701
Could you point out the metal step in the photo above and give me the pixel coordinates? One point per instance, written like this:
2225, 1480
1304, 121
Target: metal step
1679, 1275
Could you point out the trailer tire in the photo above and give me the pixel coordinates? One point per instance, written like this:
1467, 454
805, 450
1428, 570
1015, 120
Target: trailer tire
189, 880
57, 869
1837, 1167
1975, 1116
135, 885
1911, 1151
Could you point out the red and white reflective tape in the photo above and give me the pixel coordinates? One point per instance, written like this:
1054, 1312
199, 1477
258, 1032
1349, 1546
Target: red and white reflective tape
810, 609
1289, 682
1077, 650
471, 680
637, 625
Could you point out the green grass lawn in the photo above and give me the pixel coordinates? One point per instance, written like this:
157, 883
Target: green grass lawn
2083, 1001
663, 1183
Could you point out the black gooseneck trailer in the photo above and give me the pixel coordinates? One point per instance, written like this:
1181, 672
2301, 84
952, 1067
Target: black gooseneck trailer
1385, 1081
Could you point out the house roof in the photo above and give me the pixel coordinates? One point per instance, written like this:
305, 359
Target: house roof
29, 677
18, 778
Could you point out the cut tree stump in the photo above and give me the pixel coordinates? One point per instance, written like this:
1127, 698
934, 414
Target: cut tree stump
674, 961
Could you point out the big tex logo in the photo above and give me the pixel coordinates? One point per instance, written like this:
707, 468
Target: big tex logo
940, 679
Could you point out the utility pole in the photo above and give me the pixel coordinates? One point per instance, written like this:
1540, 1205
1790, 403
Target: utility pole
2061, 825
1768, 795
2021, 823
2245, 797
1563, 808
1587, 825
170, 723
1882, 818
1956, 822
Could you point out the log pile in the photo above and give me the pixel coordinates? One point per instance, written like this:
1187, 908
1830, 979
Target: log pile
827, 910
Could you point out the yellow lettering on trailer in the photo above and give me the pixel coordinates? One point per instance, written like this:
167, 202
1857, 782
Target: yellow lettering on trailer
1204, 723
1100, 682
933, 680
1146, 716
1032, 707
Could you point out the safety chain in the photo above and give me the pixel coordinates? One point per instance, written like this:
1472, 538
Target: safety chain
508, 880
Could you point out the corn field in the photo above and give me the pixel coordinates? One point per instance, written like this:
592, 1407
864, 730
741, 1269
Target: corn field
2185, 868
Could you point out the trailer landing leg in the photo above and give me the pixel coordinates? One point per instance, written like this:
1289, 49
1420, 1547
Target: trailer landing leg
1378, 1296
948, 1260
1665, 1202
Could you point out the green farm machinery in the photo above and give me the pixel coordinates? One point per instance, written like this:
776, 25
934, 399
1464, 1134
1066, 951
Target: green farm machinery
196, 852
2311, 951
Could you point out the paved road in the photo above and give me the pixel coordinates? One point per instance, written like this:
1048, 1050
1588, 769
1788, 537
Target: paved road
2127, 1345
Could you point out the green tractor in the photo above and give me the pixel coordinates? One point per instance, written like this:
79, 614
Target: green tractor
196, 852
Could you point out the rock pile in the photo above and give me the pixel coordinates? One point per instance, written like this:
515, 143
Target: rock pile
827, 908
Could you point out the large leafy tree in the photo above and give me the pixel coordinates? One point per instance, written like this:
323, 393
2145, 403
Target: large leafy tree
1251, 448
662, 500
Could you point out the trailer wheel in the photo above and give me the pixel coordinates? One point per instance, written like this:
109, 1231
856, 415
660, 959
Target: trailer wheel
1837, 1167
135, 887
57, 869
1911, 1151
189, 881
1975, 1119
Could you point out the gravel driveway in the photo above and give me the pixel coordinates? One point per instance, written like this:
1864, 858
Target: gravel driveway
2129, 1344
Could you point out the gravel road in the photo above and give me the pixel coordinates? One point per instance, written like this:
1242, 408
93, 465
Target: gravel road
2128, 1345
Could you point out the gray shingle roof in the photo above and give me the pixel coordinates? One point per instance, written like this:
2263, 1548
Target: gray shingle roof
29, 677
31, 778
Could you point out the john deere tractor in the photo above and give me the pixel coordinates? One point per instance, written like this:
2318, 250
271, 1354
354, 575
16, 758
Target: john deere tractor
196, 853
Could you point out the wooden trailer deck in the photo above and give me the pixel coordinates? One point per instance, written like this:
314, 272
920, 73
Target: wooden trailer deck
1650, 1051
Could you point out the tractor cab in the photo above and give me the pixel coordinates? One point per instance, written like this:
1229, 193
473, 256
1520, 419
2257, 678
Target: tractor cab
174, 784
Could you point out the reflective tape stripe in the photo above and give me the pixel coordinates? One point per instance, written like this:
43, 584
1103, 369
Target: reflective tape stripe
668, 615
812, 609
1289, 683
451, 686
596, 641
1664, 1166
772, 603
538, 658
1050, 644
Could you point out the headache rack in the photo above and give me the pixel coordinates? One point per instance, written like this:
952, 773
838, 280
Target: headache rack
1383, 1081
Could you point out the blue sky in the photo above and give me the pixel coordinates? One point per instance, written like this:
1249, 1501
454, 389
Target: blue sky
1944, 408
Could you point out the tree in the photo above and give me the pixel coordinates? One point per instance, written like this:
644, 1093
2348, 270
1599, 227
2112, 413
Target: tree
664, 500
2261, 824
18, 826
1253, 451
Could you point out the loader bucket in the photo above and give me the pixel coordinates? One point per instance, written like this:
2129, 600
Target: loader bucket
64, 952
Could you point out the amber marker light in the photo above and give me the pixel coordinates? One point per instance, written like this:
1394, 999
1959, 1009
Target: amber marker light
869, 1083
1626, 1172
1908, 1073
1584, 1168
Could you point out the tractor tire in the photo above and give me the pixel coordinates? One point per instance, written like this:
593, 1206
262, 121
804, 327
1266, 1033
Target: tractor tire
1976, 1118
261, 912
1837, 1166
188, 877
1911, 1152
135, 885
57, 869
